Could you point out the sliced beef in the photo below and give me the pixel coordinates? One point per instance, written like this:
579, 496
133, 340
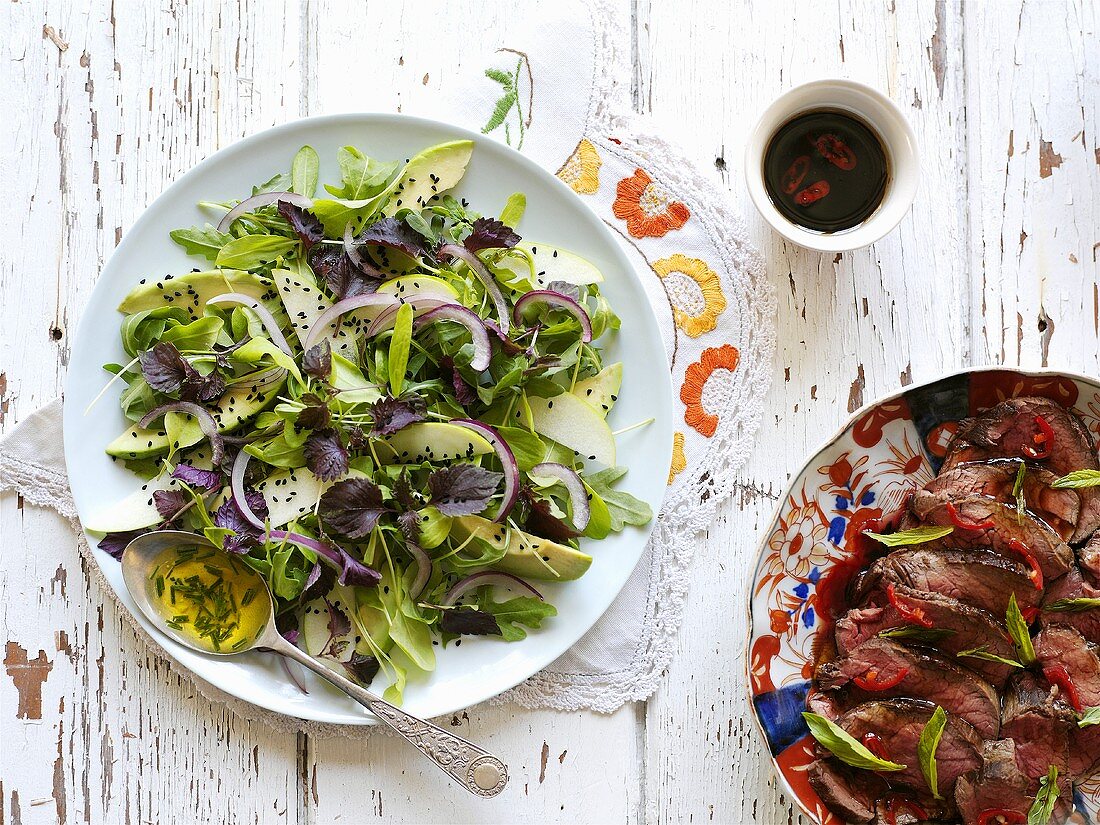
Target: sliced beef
1006, 527
1040, 720
1000, 785
1084, 751
955, 627
1005, 430
997, 479
1072, 586
1088, 558
981, 579
927, 675
1065, 647
898, 723
849, 793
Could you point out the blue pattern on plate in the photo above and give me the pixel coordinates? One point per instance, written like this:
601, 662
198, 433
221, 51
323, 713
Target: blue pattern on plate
780, 712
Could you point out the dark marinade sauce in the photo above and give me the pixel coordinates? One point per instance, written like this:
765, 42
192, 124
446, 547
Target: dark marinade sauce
826, 170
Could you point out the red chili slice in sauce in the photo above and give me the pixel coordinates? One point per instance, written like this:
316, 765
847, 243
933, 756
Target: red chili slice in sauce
896, 804
1044, 440
812, 193
795, 174
836, 151
875, 745
1030, 614
1036, 572
1058, 675
1001, 816
872, 681
966, 524
913, 614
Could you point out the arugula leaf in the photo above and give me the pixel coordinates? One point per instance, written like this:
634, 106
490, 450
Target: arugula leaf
623, 508
931, 635
599, 519
1072, 605
844, 747
362, 176
207, 242
515, 614
526, 446
251, 251
983, 653
927, 745
303, 171
352, 507
462, 489
1091, 716
257, 348
918, 535
1078, 479
469, 621
1018, 630
513, 210
1045, 799
400, 344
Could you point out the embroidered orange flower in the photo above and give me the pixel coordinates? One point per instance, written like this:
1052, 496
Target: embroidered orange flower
694, 292
582, 170
679, 460
724, 358
647, 207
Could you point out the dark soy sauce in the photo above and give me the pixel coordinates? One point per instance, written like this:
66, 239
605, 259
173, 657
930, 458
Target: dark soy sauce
826, 170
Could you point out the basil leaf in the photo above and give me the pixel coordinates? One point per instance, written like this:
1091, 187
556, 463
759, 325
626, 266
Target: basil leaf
1072, 605
251, 251
399, 348
840, 744
303, 171
513, 210
1077, 479
1045, 800
1091, 716
983, 653
917, 634
918, 535
927, 745
207, 242
1018, 630
1018, 492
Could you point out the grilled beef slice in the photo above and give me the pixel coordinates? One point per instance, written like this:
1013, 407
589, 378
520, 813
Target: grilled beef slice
996, 480
1072, 586
978, 578
1000, 785
955, 627
1062, 646
1004, 431
928, 676
846, 791
1088, 558
898, 724
1006, 527
1036, 715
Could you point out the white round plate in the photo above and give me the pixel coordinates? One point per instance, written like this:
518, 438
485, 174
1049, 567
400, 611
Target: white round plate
481, 667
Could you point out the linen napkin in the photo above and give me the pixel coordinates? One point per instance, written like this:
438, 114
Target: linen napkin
556, 89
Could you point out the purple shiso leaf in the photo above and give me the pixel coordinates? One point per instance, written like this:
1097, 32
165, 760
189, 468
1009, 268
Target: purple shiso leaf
170, 503
326, 456
306, 225
464, 393
318, 360
395, 234
469, 621
392, 414
362, 668
353, 507
489, 233
462, 489
245, 535
114, 543
196, 477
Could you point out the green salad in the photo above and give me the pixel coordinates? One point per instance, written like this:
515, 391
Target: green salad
391, 406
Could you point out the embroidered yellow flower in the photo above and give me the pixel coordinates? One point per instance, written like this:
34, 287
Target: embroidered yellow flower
582, 170
679, 460
694, 291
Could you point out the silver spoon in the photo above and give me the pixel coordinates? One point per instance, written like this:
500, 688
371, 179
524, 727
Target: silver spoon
474, 768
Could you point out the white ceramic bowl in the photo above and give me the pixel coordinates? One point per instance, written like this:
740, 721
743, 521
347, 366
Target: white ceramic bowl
877, 111
482, 667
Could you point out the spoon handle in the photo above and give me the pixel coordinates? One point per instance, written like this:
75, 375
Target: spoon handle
474, 768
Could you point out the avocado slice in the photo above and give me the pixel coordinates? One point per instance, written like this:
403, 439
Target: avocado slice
233, 409
526, 556
434, 441
430, 173
575, 424
193, 290
601, 391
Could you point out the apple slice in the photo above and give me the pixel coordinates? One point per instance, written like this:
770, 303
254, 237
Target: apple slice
550, 263
435, 441
575, 424
602, 389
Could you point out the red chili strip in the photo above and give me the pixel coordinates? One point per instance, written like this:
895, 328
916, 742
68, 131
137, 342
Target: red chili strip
812, 193
1044, 440
912, 614
795, 174
875, 745
1058, 675
871, 680
1001, 816
1030, 614
1036, 572
966, 524
896, 804
836, 151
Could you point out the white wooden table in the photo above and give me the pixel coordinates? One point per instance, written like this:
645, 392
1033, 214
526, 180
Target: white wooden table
103, 103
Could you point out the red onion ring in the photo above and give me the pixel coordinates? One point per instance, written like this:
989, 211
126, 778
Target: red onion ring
578, 496
483, 578
236, 487
387, 317
558, 301
206, 423
423, 568
261, 311
485, 276
256, 201
469, 319
340, 308
319, 547
507, 462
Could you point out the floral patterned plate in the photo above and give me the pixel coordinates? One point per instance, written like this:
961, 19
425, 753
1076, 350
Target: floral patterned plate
886, 448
